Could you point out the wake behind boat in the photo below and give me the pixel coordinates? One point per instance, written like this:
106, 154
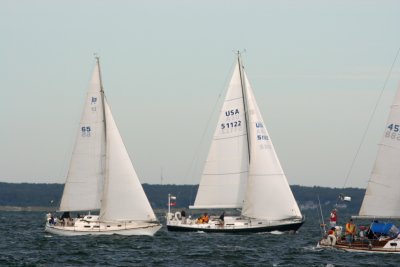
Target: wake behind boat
242, 171
381, 203
101, 178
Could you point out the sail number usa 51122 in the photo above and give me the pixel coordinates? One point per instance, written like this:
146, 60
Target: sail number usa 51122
232, 119
231, 124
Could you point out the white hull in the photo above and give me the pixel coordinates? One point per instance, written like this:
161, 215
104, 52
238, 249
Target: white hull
234, 224
92, 226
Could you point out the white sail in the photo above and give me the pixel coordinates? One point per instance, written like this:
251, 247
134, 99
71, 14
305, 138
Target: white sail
123, 198
84, 184
224, 178
268, 193
382, 196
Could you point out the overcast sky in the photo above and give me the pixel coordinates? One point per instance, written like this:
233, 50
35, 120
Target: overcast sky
316, 67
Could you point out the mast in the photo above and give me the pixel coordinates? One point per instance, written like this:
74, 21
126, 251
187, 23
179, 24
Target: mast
105, 168
102, 93
246, 115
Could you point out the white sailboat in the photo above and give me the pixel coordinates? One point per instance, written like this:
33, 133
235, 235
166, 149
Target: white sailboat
101, 178
242, 171
381, 201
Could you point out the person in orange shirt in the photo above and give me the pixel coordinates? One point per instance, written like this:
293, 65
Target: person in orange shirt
203, 219
350, 231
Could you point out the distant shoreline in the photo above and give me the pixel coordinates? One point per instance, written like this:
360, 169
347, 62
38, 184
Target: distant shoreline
17, 208
46, 197
51, 209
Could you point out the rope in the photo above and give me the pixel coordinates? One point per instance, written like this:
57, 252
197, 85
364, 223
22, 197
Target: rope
370, 119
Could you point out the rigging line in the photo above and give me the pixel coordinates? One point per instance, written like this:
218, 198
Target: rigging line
192, 163
245, 102
370, 119
322, 224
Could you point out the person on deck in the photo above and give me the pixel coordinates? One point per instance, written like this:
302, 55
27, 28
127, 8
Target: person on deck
51, 220
203, 219
332, 236
350, 231
183, 215
333, 218
222, 218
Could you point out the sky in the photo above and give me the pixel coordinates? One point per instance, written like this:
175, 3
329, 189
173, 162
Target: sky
316, 67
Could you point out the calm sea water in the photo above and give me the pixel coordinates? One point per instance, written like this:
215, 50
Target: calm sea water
23, 242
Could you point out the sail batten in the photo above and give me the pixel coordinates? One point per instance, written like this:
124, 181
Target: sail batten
227, 173
230, 137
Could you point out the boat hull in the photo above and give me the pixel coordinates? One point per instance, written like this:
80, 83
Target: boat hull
90, 225
236, 226
149, 230
389, 245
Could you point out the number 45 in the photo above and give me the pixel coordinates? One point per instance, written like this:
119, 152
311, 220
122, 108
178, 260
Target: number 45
394, 127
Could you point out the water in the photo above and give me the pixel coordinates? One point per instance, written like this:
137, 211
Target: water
24, 243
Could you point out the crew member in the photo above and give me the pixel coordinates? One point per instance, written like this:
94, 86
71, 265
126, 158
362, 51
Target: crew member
333, 218
350, 231
332, 236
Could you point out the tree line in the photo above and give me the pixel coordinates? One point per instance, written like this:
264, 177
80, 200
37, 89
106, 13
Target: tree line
49, 195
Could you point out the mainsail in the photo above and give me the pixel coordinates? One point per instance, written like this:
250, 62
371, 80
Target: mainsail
382, 196
84, 184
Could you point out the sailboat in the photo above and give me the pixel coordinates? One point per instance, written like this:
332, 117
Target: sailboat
242, 171
381, 201
101, 178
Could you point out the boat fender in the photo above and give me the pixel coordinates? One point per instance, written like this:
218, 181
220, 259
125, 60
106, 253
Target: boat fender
325, 242
370, 245
178, 215
338, 230
332, 239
